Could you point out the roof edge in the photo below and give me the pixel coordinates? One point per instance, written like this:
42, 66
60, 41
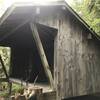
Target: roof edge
81, 20
55, 3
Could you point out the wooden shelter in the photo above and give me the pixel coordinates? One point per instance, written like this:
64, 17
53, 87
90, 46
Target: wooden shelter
51, 43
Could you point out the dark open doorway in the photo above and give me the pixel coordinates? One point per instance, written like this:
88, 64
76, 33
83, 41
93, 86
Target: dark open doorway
25, 59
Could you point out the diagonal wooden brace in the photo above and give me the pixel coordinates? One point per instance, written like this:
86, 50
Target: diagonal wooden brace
41, 53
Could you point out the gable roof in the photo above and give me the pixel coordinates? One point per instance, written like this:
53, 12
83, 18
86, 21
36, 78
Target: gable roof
7, 21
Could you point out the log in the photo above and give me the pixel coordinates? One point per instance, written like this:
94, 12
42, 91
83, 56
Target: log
41, 52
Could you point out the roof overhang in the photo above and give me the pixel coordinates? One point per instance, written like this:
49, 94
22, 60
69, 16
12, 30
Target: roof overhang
20, 14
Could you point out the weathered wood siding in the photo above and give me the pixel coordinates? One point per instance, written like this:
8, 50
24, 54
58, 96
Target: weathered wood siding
77, 65
47, 96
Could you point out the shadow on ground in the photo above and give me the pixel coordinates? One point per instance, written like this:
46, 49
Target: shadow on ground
84, 98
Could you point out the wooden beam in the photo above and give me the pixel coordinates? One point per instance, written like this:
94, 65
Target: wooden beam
15, 29
6, 14
41, 53
16, 81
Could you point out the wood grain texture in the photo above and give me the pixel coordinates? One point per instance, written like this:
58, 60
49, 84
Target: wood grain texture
76, 58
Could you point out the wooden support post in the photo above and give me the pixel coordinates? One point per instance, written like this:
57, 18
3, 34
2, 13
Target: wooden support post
41, 53
38, 93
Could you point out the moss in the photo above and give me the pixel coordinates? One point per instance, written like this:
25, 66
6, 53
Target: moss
4, 94
17, 88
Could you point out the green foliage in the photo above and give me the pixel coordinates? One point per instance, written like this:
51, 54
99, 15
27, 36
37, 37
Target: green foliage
16, 88
4, 89
94, 6
4, 94
89, 10
5, 54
